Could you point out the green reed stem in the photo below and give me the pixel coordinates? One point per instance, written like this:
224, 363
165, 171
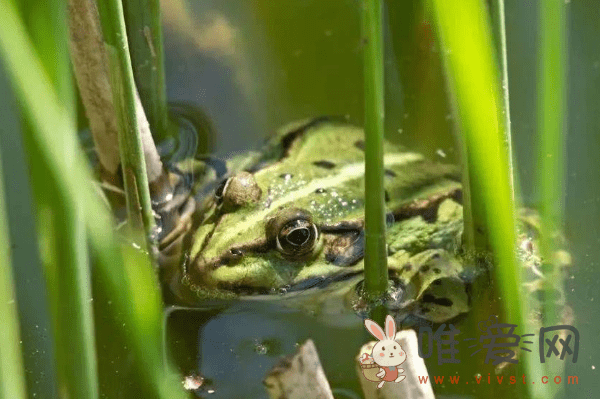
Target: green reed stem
376, 272
144, 32
129, 283
473, 80
12, 372
139, 206
471, 69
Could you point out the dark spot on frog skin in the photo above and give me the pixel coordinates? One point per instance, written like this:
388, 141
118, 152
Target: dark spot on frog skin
321, 282
324, 164
286, 176
427, 209
437, 282
428, 298
360, 144
390, 173
424, 269
347, 249
320, 190
436, 270
292, 136
408, 267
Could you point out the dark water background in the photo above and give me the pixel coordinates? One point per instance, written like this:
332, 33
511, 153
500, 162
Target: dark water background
254, 66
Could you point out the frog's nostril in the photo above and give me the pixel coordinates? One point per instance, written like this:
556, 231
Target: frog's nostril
236, 252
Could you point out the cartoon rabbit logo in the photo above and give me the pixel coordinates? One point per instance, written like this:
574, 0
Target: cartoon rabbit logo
387, 353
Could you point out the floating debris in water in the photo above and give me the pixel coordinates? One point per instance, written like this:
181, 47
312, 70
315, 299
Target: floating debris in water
192, 382
441, 153
260, 349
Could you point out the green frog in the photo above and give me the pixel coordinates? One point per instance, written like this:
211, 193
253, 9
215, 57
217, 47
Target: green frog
288, 222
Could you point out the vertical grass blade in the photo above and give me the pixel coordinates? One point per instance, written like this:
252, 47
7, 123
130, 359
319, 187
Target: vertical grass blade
60, 223
139, 206
131, 285
144, 32
473, 81
376, 272
471, 69
12, 373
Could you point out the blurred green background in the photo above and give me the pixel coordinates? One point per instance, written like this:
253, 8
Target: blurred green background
254, 66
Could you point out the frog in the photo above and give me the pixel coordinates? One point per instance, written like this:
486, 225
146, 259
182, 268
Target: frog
287, 223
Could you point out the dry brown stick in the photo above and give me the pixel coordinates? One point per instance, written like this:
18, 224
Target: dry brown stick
299, 377
91, 72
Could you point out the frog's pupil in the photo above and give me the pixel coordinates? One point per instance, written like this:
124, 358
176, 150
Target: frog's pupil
298, 236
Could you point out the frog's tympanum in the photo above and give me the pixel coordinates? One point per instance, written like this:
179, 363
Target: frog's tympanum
289, 221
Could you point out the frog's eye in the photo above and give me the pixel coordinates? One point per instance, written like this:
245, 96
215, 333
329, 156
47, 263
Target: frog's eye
237, 191
293, 231
297, 237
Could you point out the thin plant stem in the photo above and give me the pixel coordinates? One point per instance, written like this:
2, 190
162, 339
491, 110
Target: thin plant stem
505, 92
144, 32
139, 206
551, 125
551, 110
12, 372
376, 271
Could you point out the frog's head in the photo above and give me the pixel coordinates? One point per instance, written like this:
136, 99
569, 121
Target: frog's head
297, 221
